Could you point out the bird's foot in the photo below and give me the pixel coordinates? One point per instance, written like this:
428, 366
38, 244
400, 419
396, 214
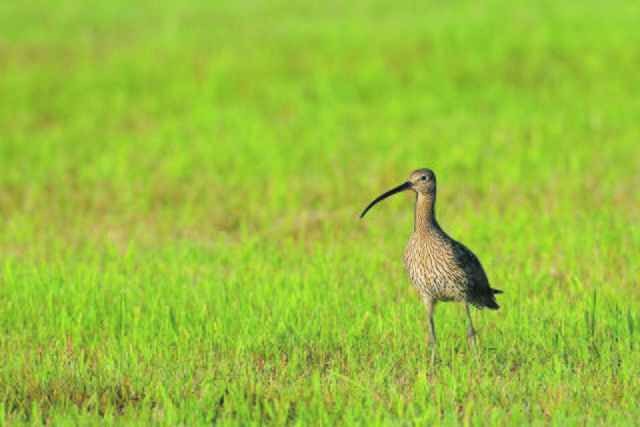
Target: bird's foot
432, 344
472, 340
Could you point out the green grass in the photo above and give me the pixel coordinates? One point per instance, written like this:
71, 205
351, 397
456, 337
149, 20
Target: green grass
179, 196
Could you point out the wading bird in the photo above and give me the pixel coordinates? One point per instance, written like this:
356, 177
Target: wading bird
440, 268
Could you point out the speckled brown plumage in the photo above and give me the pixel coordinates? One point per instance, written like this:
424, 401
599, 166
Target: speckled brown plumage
440, 268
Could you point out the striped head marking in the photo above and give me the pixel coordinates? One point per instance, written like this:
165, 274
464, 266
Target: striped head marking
423, 181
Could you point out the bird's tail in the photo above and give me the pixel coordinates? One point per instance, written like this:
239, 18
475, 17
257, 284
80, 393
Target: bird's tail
490, 300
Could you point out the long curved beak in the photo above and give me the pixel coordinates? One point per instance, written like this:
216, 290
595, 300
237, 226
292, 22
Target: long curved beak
402, 187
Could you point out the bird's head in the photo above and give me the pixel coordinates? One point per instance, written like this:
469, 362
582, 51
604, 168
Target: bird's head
421, 181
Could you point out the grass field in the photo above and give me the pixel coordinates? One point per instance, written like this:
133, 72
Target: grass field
180, 189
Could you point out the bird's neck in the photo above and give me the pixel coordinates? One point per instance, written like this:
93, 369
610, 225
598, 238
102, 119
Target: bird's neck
425, 214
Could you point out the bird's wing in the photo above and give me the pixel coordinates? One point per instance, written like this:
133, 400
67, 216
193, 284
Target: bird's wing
469, 262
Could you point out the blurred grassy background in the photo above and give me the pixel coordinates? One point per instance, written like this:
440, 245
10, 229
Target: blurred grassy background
181, 185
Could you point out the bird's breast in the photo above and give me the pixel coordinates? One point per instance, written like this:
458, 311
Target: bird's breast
432, 269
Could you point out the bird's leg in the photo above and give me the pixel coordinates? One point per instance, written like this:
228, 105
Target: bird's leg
471, 332
432, 331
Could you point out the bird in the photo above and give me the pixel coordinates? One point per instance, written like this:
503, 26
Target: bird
440, 268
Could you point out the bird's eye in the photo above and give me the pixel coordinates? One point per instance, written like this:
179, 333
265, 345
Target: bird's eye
423, 177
